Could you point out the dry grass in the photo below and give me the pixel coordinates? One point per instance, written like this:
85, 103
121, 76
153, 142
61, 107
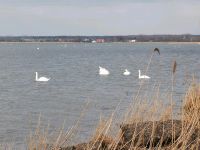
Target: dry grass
192, 102
146, 119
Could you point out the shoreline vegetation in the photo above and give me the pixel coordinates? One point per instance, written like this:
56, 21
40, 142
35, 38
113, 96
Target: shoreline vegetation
145, 126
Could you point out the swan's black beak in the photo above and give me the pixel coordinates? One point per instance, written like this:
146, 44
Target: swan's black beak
157, 50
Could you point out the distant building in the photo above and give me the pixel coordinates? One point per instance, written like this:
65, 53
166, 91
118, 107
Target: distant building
86, 40
100, 40
132, 41
93, 41
60, 40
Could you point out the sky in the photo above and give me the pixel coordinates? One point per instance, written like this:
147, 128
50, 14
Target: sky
98, 17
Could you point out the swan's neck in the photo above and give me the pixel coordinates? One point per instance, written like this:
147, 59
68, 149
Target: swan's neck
36, 76
139, 73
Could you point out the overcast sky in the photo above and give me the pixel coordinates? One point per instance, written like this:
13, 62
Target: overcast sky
99, 17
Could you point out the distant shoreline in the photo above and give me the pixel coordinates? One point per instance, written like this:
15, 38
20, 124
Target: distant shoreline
185, 38
4, 42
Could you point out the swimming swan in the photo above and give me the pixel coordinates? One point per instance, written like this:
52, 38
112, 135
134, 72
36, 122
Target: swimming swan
103, 71
41, 79
126, 72
143, 76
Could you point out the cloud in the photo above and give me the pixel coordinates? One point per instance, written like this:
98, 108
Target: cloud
99, 17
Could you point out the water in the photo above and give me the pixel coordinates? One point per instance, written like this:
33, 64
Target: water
73, 69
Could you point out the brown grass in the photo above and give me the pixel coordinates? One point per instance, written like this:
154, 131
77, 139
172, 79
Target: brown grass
192, 102
145, 120
174, 67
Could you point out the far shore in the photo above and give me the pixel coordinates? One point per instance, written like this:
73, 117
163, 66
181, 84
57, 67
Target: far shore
1, 42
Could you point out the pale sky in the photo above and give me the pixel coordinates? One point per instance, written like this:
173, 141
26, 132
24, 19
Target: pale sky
99, 17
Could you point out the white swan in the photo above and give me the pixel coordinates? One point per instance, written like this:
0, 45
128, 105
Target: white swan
38, 48
126, 72
143, 76
103, 71
41, 79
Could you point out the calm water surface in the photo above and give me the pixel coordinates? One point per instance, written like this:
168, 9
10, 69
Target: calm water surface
73, 69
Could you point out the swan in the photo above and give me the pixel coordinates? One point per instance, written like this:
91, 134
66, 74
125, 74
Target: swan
143, 76
38, 48
126, 72
103, 71
41, 79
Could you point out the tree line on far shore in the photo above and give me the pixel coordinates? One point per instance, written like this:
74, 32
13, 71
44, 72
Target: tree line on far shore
88, 39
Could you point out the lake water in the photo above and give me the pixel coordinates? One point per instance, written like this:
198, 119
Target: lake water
73, 69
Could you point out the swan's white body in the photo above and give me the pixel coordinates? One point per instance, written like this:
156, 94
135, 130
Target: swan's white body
126, 72
41, 79
103, 71
38, 48
143, 76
